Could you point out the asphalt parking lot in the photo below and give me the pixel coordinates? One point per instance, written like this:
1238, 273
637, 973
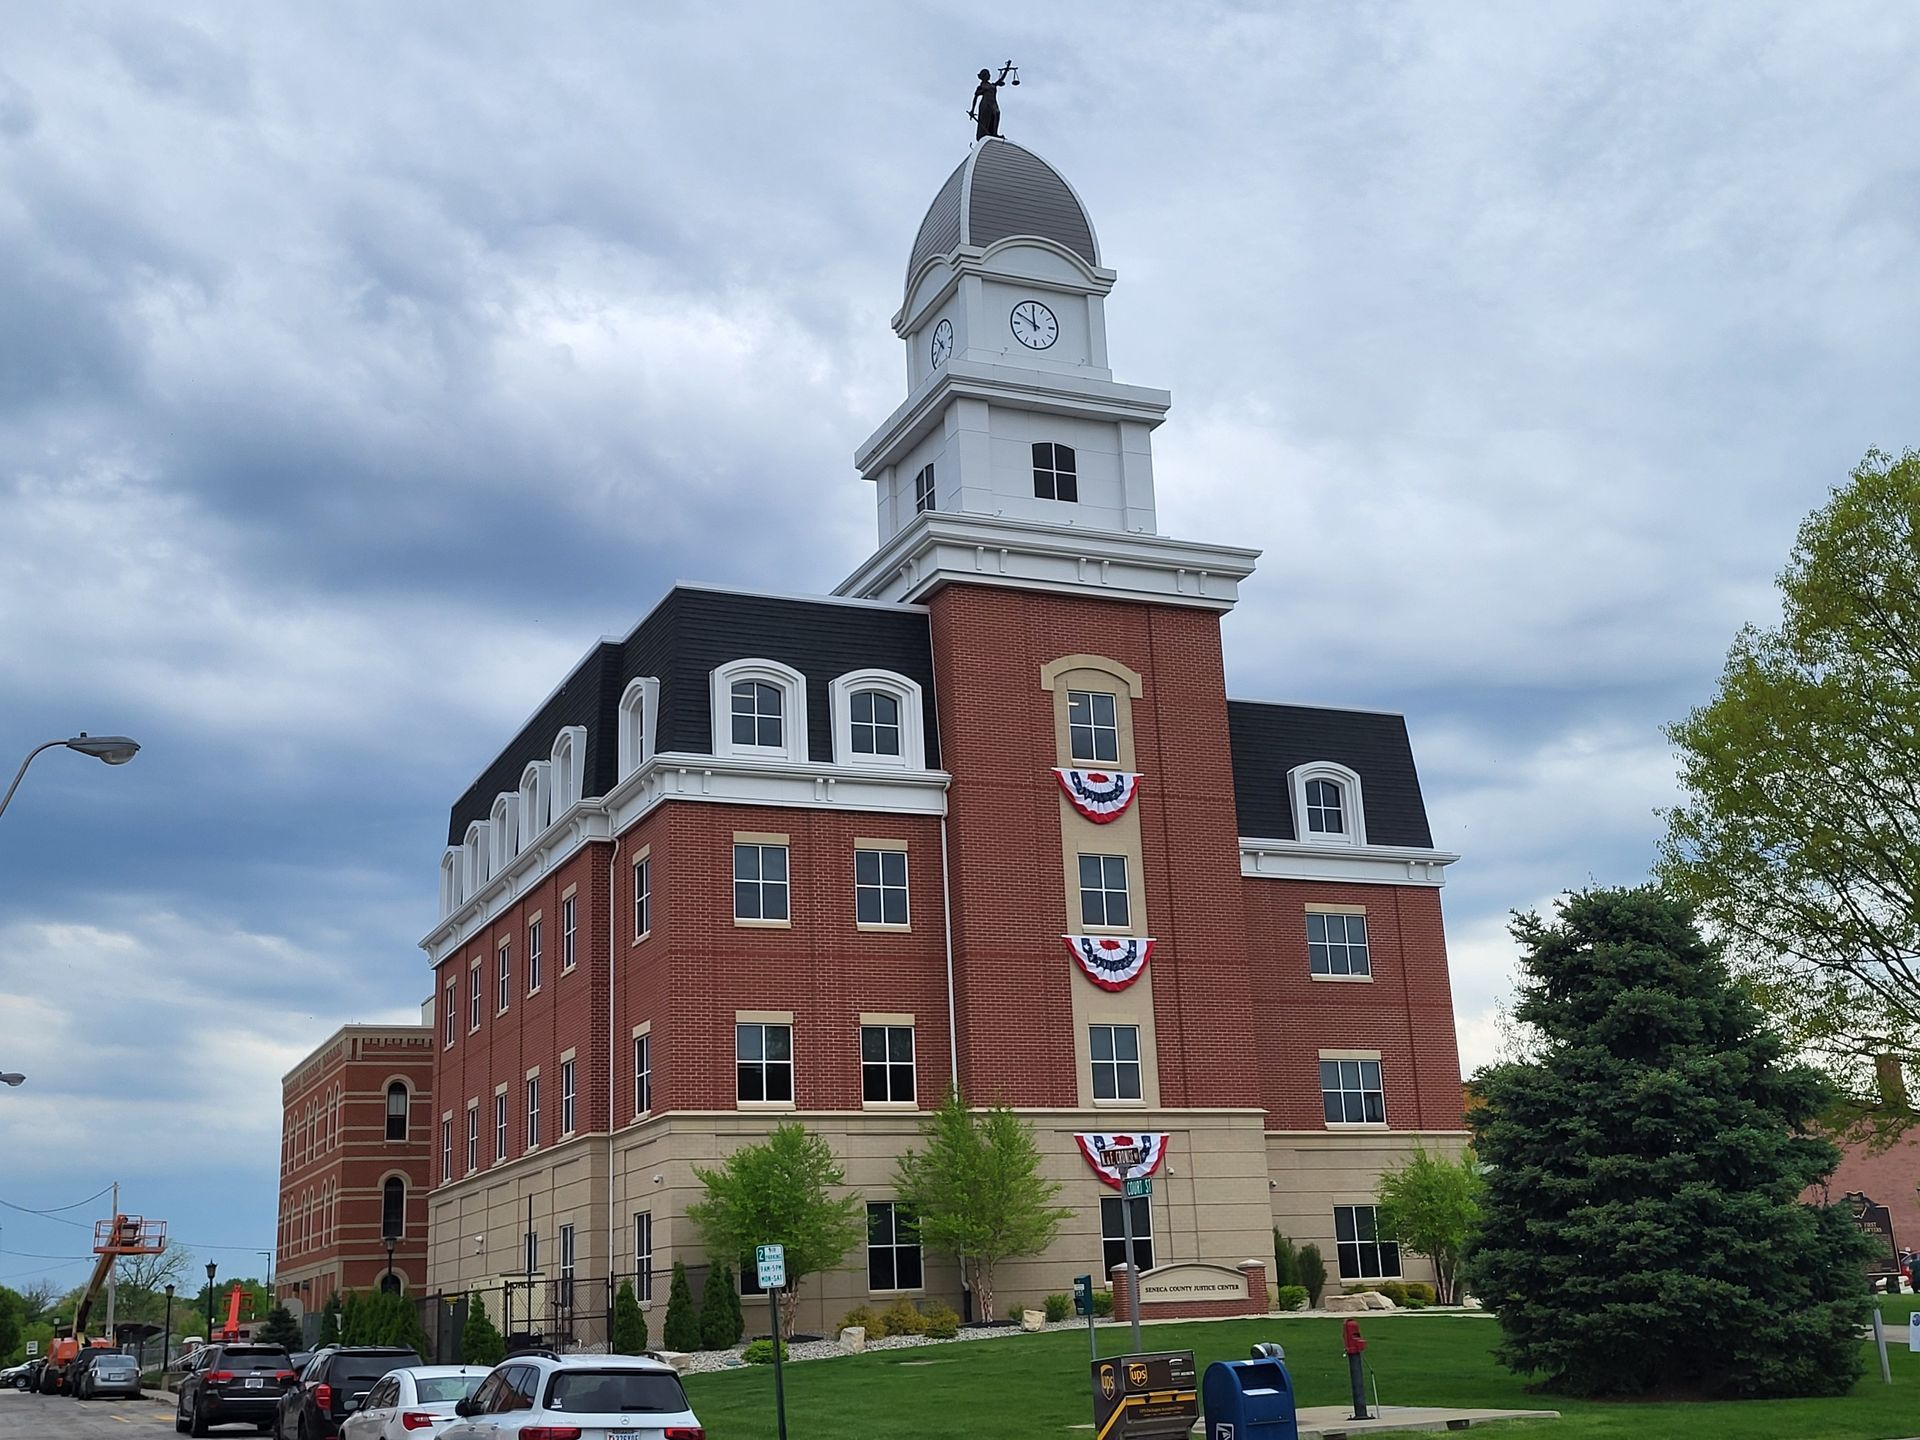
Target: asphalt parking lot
56, 1417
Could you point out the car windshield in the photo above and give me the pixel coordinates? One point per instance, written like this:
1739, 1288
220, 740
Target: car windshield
613, 1392
252, 1362
363, 1370
445, 1389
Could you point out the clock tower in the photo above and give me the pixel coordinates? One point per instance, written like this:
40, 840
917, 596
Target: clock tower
1016, 458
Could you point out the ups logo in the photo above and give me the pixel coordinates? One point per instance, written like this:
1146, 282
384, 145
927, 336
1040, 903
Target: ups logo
1137, 1375
1107, 1385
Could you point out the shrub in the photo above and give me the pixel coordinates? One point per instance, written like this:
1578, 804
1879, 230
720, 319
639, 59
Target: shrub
1418, 1292
629, 1322
1057, 1308
1103, 1303
717, 1328
733, 1305
760, 1352
940, 1321
1293, 1297
1313, 1273
683, 1321
480, 1342
1393, 1290
867, 1319
1286, 1264
903, 1319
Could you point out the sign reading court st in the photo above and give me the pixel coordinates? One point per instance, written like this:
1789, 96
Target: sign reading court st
771, 1261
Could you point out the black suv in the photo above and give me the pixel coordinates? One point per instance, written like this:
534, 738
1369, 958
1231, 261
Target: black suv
229, 1383
332, 1387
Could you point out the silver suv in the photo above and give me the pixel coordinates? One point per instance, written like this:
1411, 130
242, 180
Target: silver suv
581, 1397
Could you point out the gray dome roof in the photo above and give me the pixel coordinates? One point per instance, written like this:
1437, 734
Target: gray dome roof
1002, 189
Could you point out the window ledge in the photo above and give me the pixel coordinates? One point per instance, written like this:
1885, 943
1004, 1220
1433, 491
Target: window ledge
892, 929
569, 969
533, 992
1106, 929
1121, 1104
763, 1104
1375, 1125
473, 1030
501, 1011
643, 935
916, 1290
1366, 979
889, 1104
749, 924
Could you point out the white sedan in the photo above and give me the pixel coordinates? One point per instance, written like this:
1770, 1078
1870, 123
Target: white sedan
412, 1404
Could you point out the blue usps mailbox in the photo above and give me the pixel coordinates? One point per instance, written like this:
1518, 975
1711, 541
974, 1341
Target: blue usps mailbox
1250, 1399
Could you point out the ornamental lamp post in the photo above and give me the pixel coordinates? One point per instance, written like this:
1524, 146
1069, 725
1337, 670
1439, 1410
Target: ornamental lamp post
166, 1339
212, 1268
112, 749
390, 1284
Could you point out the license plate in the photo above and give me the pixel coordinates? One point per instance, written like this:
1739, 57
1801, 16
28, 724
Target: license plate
253, 1384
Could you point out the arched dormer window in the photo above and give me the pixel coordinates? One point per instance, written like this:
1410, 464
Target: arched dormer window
503, 829
877, 720
639, 712
759, 711
567, 762
535, 806
476, 857
393, 1208
397, 1109
450, 891
1326, 804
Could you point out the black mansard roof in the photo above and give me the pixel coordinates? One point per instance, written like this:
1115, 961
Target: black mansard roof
1269, 740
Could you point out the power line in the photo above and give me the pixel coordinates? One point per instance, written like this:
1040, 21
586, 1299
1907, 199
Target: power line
53, 1212
36, 1255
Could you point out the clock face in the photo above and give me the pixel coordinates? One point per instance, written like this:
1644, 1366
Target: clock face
1034, 325
942, 343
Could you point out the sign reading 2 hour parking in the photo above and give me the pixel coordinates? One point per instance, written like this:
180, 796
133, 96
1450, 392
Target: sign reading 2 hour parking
771, 1260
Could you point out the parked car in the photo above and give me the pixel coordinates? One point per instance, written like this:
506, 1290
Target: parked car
13, 1374
231, 1383
79, 1368
332, 1387
405, 1402
110, 1373
593, 1397
27, 1377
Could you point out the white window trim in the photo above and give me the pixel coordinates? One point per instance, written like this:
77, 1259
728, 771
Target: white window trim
1372, 1056
477, 852
536, 802
567, 788
1353, 811
451, 893
793, 710
503, 831
639, 713
913, 737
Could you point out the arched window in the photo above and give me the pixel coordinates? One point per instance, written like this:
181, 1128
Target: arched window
1324, 808
502, 828
759, 711
1327, 809
476, 857
569, 755
393, 1208
397, 1099
535, 811
877, 720
639, 707
450, 893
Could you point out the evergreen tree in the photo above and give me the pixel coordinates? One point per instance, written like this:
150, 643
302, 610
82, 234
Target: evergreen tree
330, 1320
353, 1327
1313, 1273
282, 1329
733, 1303
717, 1329
1286, 1265
683, 1321
629, 1322
480, 1342
1642, 1229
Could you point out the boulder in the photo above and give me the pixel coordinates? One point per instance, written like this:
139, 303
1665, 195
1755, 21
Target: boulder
853, 1339
678, 1359
1376, 1301
1340, 1304
1033, 1319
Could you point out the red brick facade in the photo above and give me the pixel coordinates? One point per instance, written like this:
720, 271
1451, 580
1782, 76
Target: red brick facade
336, 1158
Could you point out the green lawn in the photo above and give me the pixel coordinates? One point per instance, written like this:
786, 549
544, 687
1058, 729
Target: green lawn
1037, 1385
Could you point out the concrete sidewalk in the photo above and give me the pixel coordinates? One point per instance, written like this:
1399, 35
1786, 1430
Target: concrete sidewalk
1332, 1422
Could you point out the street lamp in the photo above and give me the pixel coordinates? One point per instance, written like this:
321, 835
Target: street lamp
166, 1342
211, 1268
391, 1284
114, 749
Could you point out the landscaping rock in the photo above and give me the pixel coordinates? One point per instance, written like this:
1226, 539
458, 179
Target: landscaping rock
1338, 1304
1376, 1301
853, 1339
1033, 1320
678, 1359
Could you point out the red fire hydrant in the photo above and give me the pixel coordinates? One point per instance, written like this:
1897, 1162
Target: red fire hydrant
1350, 1335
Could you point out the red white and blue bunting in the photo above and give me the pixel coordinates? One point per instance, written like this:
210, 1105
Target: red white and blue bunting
1122, 1157
1100, 795
1113, 962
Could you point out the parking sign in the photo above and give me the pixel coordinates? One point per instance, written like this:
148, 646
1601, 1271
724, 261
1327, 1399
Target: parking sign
771, 1261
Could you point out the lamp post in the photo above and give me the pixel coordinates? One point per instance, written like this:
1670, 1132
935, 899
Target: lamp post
211, 1268
113, 749
391, 1284
166, 1338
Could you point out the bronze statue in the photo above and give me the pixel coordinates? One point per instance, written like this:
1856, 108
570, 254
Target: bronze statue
985, 110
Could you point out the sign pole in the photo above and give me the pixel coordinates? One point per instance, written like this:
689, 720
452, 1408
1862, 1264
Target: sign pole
779, 1386
1133, 1269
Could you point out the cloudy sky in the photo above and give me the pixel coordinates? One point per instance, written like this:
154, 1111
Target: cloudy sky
361, 364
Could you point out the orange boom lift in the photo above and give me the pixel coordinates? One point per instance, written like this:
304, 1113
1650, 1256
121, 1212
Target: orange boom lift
122, 1235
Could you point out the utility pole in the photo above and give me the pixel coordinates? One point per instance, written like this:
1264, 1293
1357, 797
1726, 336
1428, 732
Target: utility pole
113, 1264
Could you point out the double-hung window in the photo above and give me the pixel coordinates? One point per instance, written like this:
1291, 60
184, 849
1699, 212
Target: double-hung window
569, 930
886, 1064
505, 986
1351, 1093
893, 1247
874, 721
500, 1126
642, 1073
642, 897
446, 1151
473, 1138
475, 990
643, 1255
759, 882
880, 887
1103, 892
763, 1062
533, 957
1337, 944
757, 714
923, 490
1364, 1253
453, 1008
566, 1267
533, 1111
1116, 1061
566, 1097
1055, 472
1326, 809
1093, 727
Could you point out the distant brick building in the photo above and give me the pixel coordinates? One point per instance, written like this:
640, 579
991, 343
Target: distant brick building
355, 1164
987, 817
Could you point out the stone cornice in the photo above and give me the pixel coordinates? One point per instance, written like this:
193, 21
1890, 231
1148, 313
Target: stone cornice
1345, 864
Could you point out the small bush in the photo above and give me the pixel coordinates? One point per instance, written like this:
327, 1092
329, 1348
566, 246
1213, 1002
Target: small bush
1313, 1272
1103, 1303
683, 1321
1393, 1290
903, 1319
760, 1352
1057, 1308
863, 1316
1293, 1297
940, 1321
1418, 1293
1286, 1263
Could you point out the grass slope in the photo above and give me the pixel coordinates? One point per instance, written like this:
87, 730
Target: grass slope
1037, 1385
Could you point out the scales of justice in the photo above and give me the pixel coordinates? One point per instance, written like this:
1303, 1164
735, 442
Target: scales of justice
985, 110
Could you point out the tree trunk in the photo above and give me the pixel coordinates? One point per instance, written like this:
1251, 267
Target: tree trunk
789, 1307
983, 1287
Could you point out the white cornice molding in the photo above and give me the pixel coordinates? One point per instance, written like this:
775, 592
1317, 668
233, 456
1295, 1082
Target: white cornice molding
976, 260
1012, 387
678, 775
1344, 864
941, 547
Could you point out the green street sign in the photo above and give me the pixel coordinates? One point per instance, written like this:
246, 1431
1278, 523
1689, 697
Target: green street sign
1139, 1189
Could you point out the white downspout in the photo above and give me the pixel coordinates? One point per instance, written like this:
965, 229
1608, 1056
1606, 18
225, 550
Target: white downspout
613, 1065
946, 916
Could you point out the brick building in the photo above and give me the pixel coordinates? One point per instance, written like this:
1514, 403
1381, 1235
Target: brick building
355, 1164
983, 816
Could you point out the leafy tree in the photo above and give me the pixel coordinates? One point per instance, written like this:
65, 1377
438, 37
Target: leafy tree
1313, 1273
629, 1322
12, 1318
1642, 1229
36, 1301
1430, 1204
976, 1190
780, 1191
683, 1321
1286, 1263
1799, 840
330, 1321
717, 1328
480, 1342
282, 1329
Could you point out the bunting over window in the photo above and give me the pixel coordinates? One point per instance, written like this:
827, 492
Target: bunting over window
1113, 962
1100, 795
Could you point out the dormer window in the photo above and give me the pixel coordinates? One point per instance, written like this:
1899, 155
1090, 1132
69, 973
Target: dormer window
639, 707
923, 490
566, 768
475, 858
760, 711
534, 804
1056, 475
504, 832
877, 720
1326, 804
